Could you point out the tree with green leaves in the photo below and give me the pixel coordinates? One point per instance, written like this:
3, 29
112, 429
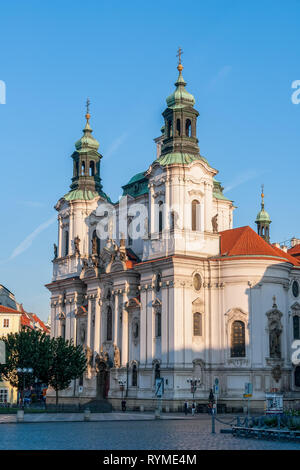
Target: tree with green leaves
68, 363
29, 349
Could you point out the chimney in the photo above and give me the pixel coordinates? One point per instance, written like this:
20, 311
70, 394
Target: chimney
294, 241
284, 248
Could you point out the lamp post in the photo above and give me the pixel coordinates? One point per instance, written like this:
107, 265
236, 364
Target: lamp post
122, 384
194, 385
24, 370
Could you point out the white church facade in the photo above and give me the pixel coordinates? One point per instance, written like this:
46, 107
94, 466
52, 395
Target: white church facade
160, 284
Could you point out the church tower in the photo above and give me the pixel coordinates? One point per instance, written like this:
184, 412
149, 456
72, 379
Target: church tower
86, 167
263, 220
180, 120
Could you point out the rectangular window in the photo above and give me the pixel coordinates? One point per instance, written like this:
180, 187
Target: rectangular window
3, 395
296, 327
6, 323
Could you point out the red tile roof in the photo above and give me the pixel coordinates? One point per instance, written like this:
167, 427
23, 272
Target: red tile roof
4, 309
244, 241
295, 251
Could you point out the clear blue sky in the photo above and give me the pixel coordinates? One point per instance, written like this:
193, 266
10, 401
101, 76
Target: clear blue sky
240, 58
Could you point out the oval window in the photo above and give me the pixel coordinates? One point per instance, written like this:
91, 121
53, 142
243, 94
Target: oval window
295, 289
197, 281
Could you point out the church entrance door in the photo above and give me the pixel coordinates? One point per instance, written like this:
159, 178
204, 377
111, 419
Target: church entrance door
102, 381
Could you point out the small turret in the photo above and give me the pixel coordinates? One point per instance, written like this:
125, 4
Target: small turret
263, 220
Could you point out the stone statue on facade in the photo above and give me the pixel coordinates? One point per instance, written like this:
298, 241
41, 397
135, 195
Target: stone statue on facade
214, 222
77, 245
89, 357
95, 245
117, 361
275, 349
55, 250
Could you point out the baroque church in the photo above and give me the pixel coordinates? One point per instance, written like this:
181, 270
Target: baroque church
171, 290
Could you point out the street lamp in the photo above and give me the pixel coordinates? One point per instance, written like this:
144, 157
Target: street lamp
194, 385
24, 370
122, 384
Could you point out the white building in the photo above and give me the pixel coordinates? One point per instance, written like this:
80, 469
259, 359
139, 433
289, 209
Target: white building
182, 295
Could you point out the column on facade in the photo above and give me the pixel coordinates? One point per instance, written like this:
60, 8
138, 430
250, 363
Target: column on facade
152, 213
165, 326
97, 327
71, 234
143, 328
116, 319
89, 321
125, 332
60, 247
208, 206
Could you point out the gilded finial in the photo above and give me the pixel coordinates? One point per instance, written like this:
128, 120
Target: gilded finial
179, 54
262, 196
87, 116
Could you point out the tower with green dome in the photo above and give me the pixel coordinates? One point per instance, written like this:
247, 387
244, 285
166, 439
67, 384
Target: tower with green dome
180, 143
263, 220
86, 181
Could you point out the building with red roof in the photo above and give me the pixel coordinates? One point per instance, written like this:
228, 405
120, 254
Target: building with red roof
160, 285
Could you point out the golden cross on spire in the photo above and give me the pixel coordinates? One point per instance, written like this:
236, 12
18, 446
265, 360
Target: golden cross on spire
179, 54
262, 195
87, 116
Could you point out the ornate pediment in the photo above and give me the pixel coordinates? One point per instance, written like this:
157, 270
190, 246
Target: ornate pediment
156, 304
295, 306
133, 303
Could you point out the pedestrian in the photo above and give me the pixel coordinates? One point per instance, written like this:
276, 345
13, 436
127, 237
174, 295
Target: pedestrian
193, 409
186, 408
123, 405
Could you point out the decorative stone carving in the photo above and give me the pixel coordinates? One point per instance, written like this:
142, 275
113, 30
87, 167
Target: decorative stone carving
214, 222
275, 330
77, 245
276, 373
117, 361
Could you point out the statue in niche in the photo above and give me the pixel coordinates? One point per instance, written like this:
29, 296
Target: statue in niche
77, 245
55, 250
117, 361
214, 222
95, 245
275, 349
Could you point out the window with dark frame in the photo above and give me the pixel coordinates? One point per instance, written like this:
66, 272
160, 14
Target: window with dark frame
238, 348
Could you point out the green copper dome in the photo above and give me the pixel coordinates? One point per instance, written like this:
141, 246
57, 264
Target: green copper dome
180, 98
87, 141
263, 216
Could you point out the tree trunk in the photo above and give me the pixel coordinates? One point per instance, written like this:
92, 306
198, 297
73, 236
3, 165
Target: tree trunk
56, 391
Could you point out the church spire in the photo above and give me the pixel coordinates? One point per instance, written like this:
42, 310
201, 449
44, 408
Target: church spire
86, 169
263, 219
180, 120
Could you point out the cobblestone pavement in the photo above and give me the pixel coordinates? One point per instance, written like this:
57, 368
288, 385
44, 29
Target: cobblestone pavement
184, 434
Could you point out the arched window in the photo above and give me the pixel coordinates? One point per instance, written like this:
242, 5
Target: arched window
188, 128
197, 324
92, 168
82, 168
158, 325
109, 324
297, 376
134, 376
296, 327
66, 243
238, 348
195, 215
170, 129
178, 127
160, 216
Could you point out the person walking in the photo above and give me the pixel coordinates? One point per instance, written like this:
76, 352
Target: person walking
193, 409
186, 408
123, 406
